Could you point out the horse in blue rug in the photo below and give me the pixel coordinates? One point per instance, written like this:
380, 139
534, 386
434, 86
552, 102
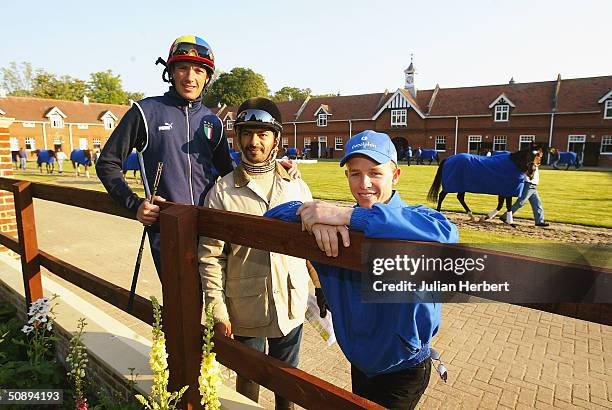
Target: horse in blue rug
429, 154
46, 157
502, 175
80, 157
131, 164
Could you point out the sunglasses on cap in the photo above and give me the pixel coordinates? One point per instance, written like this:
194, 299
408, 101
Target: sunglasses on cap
254, 115
190, 49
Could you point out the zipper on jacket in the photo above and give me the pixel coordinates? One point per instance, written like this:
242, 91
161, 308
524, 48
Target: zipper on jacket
188, 152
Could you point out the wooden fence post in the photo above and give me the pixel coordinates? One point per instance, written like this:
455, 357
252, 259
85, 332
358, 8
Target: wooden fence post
28, 244
182, 307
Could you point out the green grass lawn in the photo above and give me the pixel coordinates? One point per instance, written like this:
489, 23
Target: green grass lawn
579, 197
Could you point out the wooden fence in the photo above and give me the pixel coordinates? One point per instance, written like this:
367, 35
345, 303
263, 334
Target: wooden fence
180, 226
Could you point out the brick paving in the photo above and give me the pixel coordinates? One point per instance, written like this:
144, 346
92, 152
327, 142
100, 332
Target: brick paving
498, 355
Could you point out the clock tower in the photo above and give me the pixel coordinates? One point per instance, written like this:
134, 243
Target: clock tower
409, 74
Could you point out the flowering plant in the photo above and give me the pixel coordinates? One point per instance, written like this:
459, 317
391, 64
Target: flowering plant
77, 363
160, 398
39, 328
210, 371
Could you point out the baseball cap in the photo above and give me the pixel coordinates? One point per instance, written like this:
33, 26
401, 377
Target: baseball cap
375, 145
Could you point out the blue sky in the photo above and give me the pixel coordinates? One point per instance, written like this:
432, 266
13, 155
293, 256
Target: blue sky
353, 47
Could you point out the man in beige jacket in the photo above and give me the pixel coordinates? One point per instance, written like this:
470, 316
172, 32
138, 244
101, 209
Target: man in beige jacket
257, 295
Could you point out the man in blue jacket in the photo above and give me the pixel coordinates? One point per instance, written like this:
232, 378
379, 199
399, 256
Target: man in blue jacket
386, 343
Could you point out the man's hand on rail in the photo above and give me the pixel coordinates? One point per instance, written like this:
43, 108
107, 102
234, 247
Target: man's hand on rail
148, 212
223, 328
327, 237
319, 212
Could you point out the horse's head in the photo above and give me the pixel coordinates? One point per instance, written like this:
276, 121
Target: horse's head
528, 160
87, 153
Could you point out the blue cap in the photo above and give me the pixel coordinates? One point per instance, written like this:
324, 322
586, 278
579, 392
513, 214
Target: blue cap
372, 144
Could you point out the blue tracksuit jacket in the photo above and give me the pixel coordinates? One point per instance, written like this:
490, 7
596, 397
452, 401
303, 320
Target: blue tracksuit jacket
381, 338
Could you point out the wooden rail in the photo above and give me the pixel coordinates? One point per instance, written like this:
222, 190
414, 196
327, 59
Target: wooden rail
180, 227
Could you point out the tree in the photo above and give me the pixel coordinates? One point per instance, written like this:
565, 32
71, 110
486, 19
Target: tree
47, 85
17, 78
134, 96
236, 86
105, 87
290, 94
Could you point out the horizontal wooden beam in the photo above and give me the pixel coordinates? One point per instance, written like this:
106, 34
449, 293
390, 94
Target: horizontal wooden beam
107, 291
10, 242
81, 198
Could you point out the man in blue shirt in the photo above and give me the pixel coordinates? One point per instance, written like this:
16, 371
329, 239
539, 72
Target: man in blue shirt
386, 343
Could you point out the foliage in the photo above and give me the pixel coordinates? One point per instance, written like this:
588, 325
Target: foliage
37, 367
291, 94
160, 398
103, 86
210, 370
77, 363
17, 78
236, 86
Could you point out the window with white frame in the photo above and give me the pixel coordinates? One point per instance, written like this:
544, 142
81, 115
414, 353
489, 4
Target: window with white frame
322, 120
230, 142
608, 110
56, 121
500, 142
339, 144
83, 143
440, 143
14, 144
109, 123
97, 143
82, 126
285, 142
28, 125
525, 141
606, 144
474, 143
307, 141
229, 124
399, 117
576, 138
502, 112
30, 143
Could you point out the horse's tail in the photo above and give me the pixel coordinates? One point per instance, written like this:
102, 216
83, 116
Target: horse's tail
432, 196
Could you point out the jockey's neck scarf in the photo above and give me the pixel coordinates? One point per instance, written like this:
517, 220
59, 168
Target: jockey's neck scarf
268, 165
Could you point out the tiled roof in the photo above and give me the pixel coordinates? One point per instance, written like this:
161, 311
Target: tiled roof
34, 109
345, 107
583, 94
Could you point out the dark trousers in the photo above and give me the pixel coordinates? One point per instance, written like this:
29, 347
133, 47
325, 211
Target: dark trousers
397, 390
155, 249
285, 348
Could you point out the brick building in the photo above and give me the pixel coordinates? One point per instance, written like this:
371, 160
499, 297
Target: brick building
572, 115
59, 125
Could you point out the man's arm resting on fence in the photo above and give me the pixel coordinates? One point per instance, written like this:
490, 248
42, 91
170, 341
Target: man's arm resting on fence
212, 256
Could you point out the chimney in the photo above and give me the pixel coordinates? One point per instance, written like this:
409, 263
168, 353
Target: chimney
2, 92
85, 99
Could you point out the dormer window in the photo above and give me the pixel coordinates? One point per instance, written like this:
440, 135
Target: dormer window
229, 124
399, 118
109, 123
502, 112
322, 120
56, 121
608, 110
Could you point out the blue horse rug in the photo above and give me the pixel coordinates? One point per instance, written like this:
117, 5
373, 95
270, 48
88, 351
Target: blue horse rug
131, 163
44, 157
78, 156
500, 152
495, 175
567, 158
429, 154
